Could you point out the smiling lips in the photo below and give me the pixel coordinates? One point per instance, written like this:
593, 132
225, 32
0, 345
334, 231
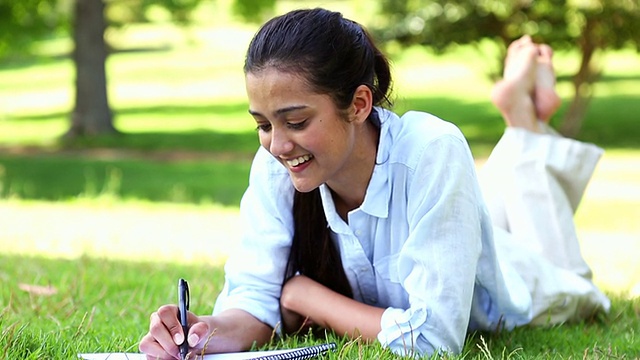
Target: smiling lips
299, 160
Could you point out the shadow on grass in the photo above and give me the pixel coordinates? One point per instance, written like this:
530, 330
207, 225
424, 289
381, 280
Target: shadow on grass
178, 111
23, 59
205, 141
56, 177
19, 61
612, 122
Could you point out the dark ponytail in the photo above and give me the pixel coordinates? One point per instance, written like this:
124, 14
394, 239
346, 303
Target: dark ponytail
313, 252
335, 56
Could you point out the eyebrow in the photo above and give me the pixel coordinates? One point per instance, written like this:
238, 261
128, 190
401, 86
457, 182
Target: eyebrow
281, 111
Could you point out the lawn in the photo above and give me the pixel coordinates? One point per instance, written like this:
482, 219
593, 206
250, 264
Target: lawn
93, 233
90, 304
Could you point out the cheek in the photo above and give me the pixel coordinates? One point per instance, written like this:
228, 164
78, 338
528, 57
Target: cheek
265, 139
312, 142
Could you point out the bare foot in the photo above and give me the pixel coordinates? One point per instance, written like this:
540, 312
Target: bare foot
546, 99
514, 94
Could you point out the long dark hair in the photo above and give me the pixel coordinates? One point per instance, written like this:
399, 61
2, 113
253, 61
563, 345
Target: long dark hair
335, 56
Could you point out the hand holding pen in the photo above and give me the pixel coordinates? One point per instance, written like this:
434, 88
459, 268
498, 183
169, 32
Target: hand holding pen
172, 336
174, 331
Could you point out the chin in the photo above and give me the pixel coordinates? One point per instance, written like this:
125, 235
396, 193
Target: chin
305, 188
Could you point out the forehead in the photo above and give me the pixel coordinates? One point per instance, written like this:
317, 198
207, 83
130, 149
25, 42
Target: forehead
271, 82
270, 90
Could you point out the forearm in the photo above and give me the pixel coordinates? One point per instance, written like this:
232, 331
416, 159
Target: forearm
235, 330
331, 310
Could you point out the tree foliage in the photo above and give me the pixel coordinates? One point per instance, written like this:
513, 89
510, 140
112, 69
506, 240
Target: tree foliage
587, 26
253, 10
22, 21
122, 12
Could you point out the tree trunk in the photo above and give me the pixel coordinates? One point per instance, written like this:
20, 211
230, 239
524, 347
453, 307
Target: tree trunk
91, 115
582, 85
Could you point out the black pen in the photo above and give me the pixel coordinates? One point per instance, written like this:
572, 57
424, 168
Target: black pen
183, 308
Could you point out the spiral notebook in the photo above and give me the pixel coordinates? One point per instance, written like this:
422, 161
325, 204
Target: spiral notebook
288, 354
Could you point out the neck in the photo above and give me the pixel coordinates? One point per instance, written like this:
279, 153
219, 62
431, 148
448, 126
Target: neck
350, 188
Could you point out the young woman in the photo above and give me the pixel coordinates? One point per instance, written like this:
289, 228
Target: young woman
370, 224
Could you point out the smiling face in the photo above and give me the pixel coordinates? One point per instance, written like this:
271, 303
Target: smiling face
304, 130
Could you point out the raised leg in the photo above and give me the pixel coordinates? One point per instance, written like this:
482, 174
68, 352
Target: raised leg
532, 183
534, 179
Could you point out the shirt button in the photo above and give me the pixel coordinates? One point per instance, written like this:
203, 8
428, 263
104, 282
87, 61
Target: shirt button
364, 269
358, 232
373, 300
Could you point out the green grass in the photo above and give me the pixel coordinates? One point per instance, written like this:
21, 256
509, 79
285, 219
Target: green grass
100, 305
103, 306
63, 178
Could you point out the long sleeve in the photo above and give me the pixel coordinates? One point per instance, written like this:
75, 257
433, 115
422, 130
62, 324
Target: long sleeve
254, 272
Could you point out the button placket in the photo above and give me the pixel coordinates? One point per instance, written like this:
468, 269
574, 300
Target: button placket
365, 276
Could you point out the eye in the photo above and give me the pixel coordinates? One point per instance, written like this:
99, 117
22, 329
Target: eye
264, 127
297, 125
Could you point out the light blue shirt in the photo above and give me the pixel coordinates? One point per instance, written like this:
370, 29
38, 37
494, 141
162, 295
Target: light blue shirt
420, 245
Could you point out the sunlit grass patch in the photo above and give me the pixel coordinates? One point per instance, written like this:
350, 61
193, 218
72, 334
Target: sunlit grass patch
98, 305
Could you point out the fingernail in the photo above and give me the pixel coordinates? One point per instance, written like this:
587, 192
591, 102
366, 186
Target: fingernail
193, 340
178, 338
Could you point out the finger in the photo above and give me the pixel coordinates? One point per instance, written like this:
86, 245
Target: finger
152, 349
199, 333
162, 334
168, 314
192, 318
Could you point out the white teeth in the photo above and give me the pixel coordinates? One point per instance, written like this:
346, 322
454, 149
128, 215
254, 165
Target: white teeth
299, 160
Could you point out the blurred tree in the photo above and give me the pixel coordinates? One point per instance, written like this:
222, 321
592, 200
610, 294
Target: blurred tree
91, 113
585, 25
24, 21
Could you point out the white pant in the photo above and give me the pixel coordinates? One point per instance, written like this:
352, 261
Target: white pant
532, 184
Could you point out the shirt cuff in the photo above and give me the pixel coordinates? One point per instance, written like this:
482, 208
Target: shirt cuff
401, 331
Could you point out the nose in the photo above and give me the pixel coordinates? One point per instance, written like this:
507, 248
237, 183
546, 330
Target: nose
280, 143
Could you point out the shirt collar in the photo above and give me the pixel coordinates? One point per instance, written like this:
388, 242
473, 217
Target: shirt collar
376, 199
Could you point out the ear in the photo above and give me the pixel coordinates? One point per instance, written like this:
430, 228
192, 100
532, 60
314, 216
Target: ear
362, 104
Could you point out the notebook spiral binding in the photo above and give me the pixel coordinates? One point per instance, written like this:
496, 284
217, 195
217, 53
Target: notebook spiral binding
304, 353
